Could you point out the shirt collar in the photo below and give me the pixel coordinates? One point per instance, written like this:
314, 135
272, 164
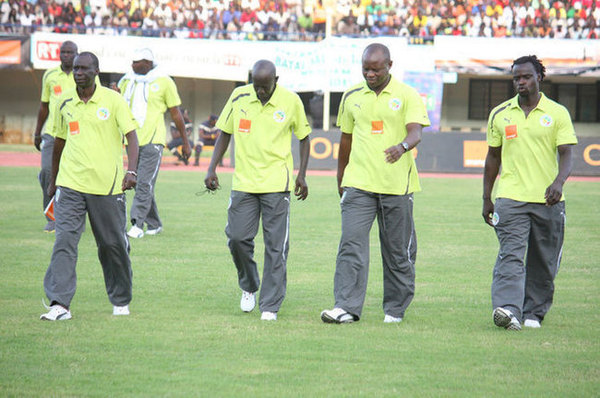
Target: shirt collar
386, 89
274, 97
95, 97
541, 105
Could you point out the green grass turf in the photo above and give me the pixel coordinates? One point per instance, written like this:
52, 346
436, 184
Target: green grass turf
187, 337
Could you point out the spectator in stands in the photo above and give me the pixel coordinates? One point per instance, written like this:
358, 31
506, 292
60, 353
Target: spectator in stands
177, 141
207, 136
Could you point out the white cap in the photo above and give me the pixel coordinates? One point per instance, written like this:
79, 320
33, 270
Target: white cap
143, 53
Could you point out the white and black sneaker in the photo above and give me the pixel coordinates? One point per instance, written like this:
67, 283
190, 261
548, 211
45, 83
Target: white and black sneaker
337, 315
57, 313
503, 318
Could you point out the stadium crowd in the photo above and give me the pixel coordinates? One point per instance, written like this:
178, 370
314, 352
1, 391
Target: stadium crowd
305, 20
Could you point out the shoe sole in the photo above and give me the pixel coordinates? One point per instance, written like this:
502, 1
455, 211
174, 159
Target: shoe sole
328, 319
63, 317
501, 318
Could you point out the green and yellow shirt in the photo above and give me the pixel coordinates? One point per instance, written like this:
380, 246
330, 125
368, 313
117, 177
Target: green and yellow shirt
263, 134
54, 83
92, 159
376, 123
529, 146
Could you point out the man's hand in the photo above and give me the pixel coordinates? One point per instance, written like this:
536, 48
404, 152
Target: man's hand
301, 189
211, 181
393, 153
186, 150
37, 141
553, 193
129, 181
488, 211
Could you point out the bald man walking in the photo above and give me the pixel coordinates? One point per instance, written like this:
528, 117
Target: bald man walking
262, 116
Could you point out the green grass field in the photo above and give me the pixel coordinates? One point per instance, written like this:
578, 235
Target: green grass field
187, 337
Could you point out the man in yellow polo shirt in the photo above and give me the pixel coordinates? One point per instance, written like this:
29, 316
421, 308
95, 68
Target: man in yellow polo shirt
87, 177
525, 134
262, 116
381, 120
56, 81
149, 91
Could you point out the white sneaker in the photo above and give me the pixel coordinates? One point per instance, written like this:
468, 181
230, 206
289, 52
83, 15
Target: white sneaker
268, 316
155, 231
135, 232
248, 301
56, 313
391, 319
532, 323
505, 319
120, 310
337, 315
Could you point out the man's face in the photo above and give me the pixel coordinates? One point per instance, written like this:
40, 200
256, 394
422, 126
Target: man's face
376, 69
264, 85
84, 71
141, 67
525, 79
68, 52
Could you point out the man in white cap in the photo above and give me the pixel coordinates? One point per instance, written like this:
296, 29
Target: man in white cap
149, 93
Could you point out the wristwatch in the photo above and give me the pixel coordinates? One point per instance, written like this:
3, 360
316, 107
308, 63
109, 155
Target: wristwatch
404, 145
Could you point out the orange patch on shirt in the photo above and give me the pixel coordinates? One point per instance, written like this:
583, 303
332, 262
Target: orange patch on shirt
244, 126
74, 128
510, 131
377, 127
57, 90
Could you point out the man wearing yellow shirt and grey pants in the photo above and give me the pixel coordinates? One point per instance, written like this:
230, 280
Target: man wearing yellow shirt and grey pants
55, 82
149, 91
87, 177
262, 116
381, 120
525, 134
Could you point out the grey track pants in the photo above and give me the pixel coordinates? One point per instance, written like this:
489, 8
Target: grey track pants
47, 148
531, 238
143, 208
398, 250
243, 216
107, 215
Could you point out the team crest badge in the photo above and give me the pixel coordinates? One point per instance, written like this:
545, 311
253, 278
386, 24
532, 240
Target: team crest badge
495, 219
279, 116
546, 121
154, 87
395, 104
103, 113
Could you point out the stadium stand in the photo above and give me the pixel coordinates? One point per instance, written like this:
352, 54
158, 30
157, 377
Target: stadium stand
298, 20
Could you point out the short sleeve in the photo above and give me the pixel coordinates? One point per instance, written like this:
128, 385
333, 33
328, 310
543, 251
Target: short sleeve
171, 95
59, 125
225, 121
123, 116
345, 119
415, 109
493, 136
45, 88
302, 128
565, 134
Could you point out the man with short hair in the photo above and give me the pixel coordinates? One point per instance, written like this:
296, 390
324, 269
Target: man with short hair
525, 135
150, 92
56, 81
381, 120
262, 116
87, 178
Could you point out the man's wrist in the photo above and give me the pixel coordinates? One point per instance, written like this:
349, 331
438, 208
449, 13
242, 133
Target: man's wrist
132, 172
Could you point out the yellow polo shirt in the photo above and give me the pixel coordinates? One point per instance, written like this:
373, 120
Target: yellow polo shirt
263, 137
162, 95
529, 146
92, 160
376, 123
54, 83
